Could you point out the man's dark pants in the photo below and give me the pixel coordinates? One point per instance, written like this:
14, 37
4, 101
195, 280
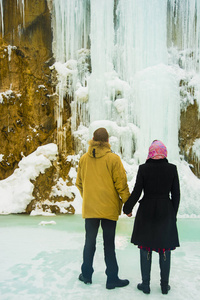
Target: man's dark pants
91, 229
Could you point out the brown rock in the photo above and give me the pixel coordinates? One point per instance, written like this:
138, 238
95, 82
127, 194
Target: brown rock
27, 112
189, 132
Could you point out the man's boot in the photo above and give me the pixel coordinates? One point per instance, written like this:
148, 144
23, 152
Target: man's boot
117, 283
145, 265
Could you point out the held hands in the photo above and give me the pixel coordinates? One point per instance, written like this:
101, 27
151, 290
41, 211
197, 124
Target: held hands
129, 215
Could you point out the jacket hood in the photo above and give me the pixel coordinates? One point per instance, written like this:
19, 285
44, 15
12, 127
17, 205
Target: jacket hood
98, 149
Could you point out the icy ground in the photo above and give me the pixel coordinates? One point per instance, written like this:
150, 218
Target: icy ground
40, 258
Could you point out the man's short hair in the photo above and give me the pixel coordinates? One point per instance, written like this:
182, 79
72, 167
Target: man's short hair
100, 134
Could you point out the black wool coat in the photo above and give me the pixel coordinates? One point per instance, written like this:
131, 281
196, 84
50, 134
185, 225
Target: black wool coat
155, 221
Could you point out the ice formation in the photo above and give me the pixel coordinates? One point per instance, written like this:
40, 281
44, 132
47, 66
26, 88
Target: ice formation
137, 52
130, 59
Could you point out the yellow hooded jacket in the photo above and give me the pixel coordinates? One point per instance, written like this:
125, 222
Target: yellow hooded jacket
102, 182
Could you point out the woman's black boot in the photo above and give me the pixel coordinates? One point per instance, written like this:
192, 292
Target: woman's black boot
145, 265
165, 261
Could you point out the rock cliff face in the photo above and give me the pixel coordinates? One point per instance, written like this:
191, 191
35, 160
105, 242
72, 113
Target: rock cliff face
27, 107
189, 132
27, 87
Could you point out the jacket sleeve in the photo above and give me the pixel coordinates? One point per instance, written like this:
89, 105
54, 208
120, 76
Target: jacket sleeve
79, 180
135, 195
175, 192
120, 180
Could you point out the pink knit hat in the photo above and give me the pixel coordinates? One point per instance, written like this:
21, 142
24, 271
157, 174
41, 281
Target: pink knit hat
157, 150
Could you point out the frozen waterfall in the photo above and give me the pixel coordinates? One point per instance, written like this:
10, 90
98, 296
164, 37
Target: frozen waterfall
122, 63
123, 75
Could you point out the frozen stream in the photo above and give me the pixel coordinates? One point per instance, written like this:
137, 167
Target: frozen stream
43, 261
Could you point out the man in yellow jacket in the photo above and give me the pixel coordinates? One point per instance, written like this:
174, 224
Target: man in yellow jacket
102, 182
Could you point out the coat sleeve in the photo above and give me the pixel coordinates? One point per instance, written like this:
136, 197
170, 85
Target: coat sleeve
120, 180
135, 195
175, 192
79, 180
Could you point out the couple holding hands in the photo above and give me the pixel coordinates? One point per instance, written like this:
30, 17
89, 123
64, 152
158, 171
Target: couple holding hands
102, 182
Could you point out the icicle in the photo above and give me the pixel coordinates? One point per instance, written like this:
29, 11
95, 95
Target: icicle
70, 28
184, 44
140, 41
184, 31
71, 22
2, 21
102, 46
21, 5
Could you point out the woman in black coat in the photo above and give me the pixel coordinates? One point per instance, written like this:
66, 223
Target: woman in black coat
155, 222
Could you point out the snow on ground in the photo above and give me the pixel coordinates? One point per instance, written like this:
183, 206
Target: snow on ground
41, 255
43, 262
